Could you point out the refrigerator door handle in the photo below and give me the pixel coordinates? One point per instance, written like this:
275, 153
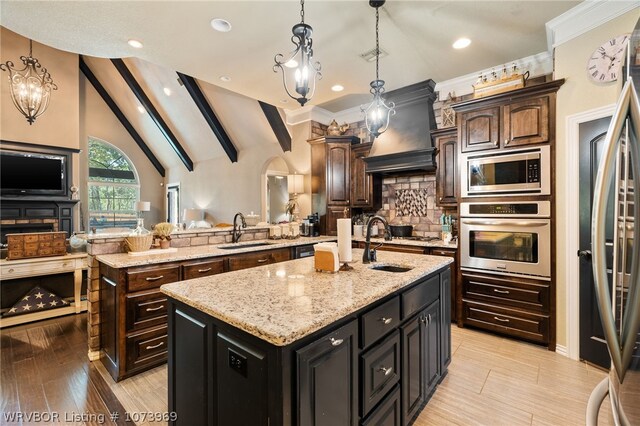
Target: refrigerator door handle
620, 350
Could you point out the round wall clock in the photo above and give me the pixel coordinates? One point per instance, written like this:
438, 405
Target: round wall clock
604, 63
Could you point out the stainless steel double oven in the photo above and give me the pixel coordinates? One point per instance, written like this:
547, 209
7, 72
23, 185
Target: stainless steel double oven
511, 236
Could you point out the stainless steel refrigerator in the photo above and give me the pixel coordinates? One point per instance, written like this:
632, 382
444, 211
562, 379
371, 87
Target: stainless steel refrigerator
618, 289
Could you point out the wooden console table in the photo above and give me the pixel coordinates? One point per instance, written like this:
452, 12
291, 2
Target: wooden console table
25, 268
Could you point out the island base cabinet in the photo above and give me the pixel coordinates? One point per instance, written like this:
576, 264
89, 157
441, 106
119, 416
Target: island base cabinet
420, 360
190, 367
328, 379
388, 412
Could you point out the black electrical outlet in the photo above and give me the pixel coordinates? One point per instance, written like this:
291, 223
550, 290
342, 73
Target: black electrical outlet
237, 362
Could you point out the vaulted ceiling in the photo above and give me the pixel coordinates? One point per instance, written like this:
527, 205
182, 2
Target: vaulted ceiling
177, 36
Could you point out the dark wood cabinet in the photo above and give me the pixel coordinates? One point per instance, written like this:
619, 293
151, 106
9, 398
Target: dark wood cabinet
366, 188
333, 213
508, 120
203, 268
480, 129
251, 260
447, 179
445, 312
388, 413
453, 281
328, 379
519, 307
330, 178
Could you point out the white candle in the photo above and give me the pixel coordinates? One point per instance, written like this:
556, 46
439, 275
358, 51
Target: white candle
344, 240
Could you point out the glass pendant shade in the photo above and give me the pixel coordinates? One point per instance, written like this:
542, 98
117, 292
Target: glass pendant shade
378, 112
302, 84
30, 87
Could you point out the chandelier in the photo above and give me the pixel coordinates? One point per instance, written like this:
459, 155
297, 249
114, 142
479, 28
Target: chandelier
377, 113
306, 71
30, 87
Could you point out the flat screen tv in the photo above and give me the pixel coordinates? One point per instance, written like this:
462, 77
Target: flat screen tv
30, 173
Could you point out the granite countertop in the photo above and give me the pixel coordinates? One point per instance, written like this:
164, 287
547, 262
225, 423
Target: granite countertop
124, 260
404, 242
284, 302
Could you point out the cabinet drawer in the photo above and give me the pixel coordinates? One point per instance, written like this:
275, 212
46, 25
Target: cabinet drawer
251, 260
443, 252
147, 348
146, 310
151, 278
202, 269
508, 321
379, 321
388, 413
419, 296
402, 249
526, 294
380, 371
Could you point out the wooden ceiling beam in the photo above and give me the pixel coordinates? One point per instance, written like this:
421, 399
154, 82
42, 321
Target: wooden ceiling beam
153, 112
120, 116
277, 125
209, 116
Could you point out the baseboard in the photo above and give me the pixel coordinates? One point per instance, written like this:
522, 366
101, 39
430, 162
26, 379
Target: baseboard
562, 350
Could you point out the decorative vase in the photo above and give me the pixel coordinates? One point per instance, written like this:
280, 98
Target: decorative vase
165, 244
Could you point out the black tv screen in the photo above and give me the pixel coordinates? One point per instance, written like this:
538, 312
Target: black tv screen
25, 173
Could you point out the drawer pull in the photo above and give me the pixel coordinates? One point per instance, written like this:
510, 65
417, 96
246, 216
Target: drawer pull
336, 342
263, 260
386, 371
386, 320
159, 277
423, 320
155, 346
11, 270
501, 291
500, 319
154, 309
202, 271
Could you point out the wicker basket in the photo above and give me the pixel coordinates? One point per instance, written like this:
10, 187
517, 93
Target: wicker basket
138, 242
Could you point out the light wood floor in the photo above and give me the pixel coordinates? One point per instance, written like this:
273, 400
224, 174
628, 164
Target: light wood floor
491, 381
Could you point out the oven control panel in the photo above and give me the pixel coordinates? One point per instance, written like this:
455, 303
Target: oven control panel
533, 171
503, 209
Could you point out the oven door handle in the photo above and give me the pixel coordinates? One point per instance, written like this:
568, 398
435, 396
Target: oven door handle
526, 223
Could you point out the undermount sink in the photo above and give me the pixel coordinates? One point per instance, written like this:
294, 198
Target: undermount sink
391, 268
237, 246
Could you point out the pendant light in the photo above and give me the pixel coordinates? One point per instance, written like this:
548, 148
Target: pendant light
306, 71
30, 87
377, 113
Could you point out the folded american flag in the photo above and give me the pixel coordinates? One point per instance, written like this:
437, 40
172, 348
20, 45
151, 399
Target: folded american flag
36, 300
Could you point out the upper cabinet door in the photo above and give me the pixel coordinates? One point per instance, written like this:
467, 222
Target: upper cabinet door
526, 122
480, 129
447, 179
361, 182
338, 159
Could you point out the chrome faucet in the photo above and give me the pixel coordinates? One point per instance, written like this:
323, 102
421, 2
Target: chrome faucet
237, 231
370, 254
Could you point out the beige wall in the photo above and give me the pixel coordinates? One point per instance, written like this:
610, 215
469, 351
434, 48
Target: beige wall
58, 126
578, 94
97, 121
223, 188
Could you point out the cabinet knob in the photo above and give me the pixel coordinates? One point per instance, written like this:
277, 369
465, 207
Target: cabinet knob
11, 270
423, 320
336, 342
495, 143
506, 142
386, 371
440, 198
386, 320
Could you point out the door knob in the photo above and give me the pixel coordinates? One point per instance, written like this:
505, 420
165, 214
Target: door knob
585, 254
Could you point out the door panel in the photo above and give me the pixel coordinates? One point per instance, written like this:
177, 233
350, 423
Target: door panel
592, 345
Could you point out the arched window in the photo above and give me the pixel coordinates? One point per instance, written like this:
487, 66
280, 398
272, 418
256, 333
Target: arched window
113, 187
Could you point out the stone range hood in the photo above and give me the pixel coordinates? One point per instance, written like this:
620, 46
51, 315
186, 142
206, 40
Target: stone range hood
406, 146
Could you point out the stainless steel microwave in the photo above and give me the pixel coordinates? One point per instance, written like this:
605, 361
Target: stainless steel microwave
525, 171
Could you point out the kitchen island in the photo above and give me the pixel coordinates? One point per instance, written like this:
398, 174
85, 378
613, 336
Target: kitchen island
282, 344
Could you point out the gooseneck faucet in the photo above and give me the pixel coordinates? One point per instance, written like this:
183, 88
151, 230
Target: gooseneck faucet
237, 230
366, 256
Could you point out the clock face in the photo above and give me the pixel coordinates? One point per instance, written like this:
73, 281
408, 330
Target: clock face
604, 64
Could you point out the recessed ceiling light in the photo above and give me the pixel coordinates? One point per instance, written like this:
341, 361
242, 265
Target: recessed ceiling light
337, 88
291, 63
167, 91
225, 78
461, 43
135, 43
141, 109
221, 25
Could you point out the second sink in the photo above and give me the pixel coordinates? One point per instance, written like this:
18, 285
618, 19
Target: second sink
391, 268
